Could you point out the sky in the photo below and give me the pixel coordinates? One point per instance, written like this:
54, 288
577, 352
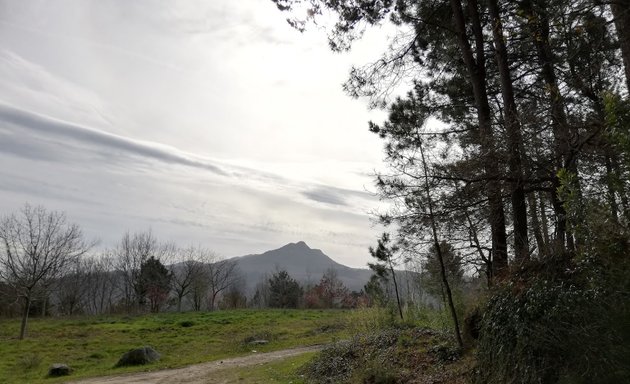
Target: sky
210, 123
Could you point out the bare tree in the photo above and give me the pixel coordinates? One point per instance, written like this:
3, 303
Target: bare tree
205, 276
198, 289
188, 275
72, 288
223, 274
37, 247
101, 284
129, 255
260, 298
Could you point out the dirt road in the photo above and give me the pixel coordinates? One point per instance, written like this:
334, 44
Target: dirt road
199, 373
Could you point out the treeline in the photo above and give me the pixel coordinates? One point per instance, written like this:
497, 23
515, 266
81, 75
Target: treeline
47, 268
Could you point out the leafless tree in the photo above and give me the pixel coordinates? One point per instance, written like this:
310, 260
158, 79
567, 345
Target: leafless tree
208, 276
260, 298
101, 284
72, 288
37, 247
188, 275
129, 255
223, 274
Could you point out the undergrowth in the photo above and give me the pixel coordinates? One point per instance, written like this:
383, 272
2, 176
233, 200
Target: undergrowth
566, 325
400, 354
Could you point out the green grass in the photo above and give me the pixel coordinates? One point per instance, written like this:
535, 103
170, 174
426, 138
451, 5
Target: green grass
281, 372
92, 345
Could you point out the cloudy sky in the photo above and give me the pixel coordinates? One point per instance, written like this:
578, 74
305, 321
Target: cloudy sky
210, 122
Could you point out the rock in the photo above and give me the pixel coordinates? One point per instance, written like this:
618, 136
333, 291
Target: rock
258, 342
140, 356
57, 370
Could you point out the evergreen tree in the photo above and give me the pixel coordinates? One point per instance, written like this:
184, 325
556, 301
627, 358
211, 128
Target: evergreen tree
385, 255
284, 291
154, 283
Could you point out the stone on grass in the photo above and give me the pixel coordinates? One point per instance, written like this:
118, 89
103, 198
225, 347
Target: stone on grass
258, 342
57, 370
139, 356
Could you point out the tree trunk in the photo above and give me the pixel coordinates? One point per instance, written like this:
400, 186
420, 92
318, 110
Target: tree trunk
391, 267
27, 308
438, 250
614, 159
621, 13
213, 298
533, 214
540, 30
612, 200
514, 137
543, 220
475, 239
477, 72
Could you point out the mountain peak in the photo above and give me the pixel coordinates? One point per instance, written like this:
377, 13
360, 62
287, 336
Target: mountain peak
302, 262
300, 245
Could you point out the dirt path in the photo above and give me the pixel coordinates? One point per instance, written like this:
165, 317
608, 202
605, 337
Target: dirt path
199, 373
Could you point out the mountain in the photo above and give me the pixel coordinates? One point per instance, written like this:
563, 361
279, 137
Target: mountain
303, 263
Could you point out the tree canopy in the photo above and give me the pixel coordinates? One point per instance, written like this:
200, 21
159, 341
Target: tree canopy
507, 138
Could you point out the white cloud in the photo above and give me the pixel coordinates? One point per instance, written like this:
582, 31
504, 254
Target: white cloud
112, 183
263, 146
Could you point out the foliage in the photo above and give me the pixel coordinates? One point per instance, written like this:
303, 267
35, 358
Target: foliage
568, 323
453, 266
284, 291
389, 355
154, 282
375, 291
329, 292
386, 259
528, 174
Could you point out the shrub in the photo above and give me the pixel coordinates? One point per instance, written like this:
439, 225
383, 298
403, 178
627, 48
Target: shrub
29, 362
565, 325
387, 356
334, 364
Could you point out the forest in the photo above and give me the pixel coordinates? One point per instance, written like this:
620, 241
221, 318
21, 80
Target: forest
509, 143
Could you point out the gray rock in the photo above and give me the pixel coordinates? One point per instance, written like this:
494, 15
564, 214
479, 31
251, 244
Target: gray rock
139, 356
57, 370
258, 342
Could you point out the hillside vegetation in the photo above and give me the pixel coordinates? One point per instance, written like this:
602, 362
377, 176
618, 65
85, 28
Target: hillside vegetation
93, 345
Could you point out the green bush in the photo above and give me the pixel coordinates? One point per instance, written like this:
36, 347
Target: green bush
569, 325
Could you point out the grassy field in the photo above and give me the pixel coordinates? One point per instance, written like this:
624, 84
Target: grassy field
92, 345
279, 372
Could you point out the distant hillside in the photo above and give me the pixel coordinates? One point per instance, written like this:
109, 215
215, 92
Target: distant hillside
303, 263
